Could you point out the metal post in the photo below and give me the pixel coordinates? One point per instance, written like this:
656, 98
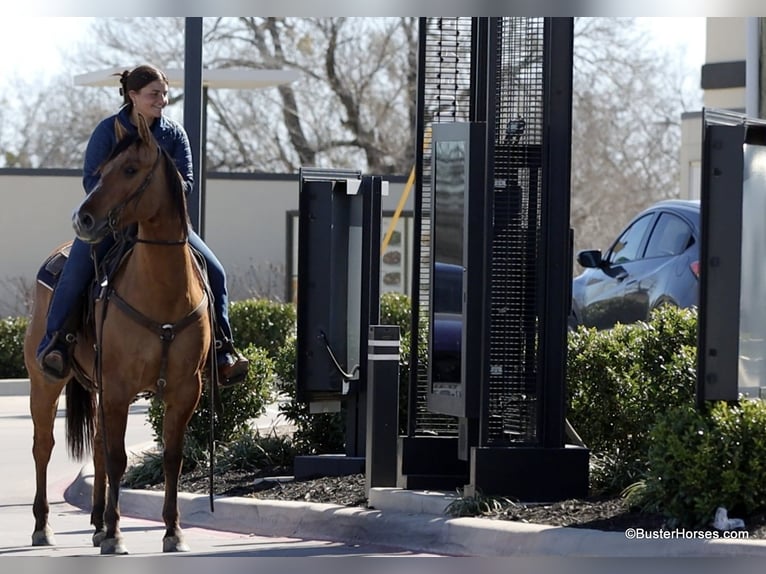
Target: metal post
382, 405
193, 115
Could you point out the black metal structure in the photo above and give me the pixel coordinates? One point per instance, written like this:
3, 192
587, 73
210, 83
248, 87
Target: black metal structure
513, 75
193, 119
730, 332
338, 299
382, 405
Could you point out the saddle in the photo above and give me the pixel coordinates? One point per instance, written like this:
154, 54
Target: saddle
82, 315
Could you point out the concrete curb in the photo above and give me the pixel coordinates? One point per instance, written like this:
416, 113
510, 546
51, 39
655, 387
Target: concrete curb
14, 387
416, 531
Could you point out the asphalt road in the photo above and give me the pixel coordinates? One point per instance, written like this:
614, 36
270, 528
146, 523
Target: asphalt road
143, 537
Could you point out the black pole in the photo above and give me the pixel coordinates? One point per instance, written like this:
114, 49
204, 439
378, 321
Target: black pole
382, 425
193, 116
556, 268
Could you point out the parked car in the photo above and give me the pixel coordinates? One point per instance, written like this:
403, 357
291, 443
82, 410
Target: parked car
653, 262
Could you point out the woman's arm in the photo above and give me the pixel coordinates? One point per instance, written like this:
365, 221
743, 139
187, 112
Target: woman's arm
99, 145
182, 156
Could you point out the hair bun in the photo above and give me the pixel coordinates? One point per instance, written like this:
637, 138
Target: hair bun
123, 81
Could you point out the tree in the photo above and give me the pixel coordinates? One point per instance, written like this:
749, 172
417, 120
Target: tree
354, 104
626, 132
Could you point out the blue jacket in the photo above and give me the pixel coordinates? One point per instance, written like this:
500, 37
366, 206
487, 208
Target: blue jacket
170, 135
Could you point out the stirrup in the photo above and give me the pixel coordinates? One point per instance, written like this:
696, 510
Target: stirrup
46, 357
230, 373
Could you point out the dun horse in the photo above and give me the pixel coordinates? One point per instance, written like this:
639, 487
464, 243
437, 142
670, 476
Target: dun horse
151, 333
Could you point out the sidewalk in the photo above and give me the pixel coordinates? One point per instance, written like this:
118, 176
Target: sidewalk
405, 519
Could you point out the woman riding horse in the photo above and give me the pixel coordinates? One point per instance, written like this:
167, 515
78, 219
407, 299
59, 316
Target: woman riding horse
145, 92
151, 332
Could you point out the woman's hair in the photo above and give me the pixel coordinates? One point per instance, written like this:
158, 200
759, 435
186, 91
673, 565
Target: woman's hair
137, 78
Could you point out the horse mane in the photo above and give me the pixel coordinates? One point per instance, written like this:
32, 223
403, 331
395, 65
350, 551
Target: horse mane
175, 184
173, 179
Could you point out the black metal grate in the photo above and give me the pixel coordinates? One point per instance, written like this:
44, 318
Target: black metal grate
513, 394
518, 117
447, 97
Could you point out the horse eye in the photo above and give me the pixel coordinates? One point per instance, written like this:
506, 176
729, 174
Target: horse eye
130, 170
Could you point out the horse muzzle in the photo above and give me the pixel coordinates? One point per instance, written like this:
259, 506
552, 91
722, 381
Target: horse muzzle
88, 228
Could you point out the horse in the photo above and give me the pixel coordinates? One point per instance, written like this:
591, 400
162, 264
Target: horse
150, 334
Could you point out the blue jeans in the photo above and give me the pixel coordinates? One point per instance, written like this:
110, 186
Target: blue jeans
78, 272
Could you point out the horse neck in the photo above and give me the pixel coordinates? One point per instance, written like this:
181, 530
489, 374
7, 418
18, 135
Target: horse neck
165, 273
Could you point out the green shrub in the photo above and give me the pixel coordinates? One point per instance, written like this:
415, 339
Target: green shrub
240, 404
254, 452
700, 460
249, 452
321, 433
324, 433
262, 323
395, 309
620, 380
12, 331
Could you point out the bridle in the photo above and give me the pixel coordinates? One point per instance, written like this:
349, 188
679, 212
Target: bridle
114, 214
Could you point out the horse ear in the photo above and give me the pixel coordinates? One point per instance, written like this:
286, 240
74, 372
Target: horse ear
143, 129
119, 130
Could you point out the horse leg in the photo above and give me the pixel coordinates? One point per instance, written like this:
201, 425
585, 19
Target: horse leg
173, 430
43, 402
99, 489
114, 423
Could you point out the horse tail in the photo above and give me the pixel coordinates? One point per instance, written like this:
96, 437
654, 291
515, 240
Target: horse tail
80, 419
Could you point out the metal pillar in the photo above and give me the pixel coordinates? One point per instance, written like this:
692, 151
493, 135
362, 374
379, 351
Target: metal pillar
382, 405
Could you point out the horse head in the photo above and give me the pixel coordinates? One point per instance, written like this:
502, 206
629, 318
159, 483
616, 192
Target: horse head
125, 192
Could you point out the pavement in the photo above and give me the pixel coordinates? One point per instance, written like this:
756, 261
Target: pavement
397, 518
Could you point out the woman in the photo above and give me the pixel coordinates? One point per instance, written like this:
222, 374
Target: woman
145, 92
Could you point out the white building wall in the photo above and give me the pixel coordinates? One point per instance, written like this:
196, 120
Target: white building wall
725, 41
245, 226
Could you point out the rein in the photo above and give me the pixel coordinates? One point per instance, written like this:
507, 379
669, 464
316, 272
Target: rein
113, 217
161, 241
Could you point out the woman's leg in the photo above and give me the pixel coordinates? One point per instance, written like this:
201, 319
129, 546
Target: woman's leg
232, 366
75, 277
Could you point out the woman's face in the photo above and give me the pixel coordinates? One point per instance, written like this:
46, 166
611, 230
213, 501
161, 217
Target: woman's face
150, 100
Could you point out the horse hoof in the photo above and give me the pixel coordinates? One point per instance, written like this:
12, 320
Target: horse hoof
174, 544
98, 537
113, 546
43, 537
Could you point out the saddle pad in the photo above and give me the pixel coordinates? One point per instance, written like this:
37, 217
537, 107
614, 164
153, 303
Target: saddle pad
50, 271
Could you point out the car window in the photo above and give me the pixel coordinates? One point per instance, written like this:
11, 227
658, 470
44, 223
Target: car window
671, 236
626, 248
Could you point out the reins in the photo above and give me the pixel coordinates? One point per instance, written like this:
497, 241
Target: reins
113, 216
161, 241
166, 331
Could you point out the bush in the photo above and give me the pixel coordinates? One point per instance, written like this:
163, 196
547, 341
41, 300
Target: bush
620, 380
12, 331
395, 309
324, 433
700, 460
240, 404
321, 433
262, 323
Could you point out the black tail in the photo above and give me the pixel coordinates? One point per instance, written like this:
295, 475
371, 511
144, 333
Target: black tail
80, 420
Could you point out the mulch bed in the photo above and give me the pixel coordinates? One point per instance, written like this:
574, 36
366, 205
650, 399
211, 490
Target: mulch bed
606, 514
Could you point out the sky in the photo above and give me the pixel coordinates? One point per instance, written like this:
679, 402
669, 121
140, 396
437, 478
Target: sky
34, 46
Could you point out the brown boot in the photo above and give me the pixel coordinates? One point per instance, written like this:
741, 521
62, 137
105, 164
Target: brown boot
232, 365
53, 359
